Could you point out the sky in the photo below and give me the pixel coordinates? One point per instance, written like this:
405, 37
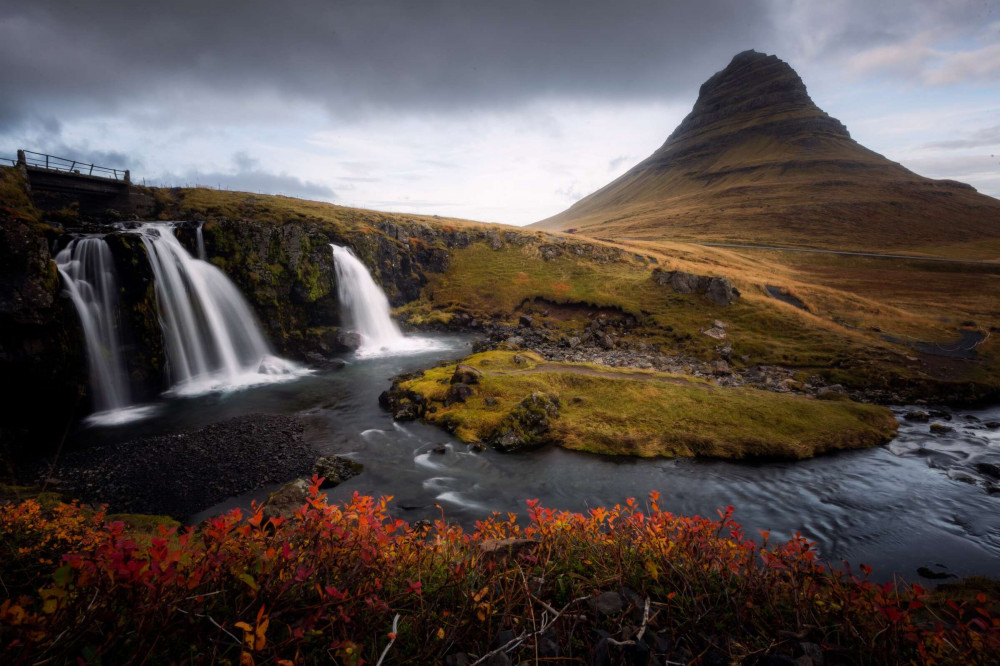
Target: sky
505, 111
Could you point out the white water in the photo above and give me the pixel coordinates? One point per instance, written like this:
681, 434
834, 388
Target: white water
366, 310
200, 240
212, 339
88, 272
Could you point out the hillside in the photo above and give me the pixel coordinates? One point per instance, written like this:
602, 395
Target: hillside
757, 162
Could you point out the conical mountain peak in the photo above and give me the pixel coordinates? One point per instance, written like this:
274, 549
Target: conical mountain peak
757, 161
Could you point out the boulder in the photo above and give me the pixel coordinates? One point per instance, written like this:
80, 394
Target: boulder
716, 333
465, 374
286, 501
527, 424
335, 470
458, 393
525, 321
719, 290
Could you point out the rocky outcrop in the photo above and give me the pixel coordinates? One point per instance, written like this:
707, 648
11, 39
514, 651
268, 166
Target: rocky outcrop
719, 290
527, 424
43, 366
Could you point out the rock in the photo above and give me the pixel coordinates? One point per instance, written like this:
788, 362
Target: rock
992, 425
813, 652
440, 448
721, 291
466, 374
940, 414
940, 428
459, 658
490, 401
721, 368
715, 333
607, 342
719, 324
525, 321
574, 342
988, 469
505, 547
346, 341
458, 393
607, 603
918, 416
286, 501
335, 470
526, 425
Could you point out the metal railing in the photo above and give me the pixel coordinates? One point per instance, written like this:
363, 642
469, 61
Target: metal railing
66, 165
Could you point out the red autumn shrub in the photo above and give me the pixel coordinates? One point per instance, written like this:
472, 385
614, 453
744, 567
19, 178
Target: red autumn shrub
350, 584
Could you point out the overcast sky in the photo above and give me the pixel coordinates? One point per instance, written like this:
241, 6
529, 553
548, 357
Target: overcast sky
504, 111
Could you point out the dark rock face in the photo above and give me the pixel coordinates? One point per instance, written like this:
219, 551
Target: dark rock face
527, 424
42, 363
719, 290
755, 86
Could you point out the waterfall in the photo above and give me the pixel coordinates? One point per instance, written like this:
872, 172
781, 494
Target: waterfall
212, 339
88, 272
200, 238
366, 309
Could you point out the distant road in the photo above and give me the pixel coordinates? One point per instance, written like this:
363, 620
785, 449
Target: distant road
850, 254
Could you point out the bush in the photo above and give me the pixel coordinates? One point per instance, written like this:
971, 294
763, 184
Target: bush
350, 584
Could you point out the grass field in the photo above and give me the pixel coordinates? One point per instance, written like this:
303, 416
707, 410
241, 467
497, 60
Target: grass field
643, 413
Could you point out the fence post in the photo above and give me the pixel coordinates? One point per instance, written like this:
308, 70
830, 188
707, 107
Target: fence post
21, 159
128, 176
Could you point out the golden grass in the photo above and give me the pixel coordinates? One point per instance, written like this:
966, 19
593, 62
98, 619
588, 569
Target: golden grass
643, 413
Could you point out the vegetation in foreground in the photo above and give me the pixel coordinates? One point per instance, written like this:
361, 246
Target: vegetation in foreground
349, 584
643, 413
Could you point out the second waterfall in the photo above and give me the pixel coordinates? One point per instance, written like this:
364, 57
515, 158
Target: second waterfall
212, 338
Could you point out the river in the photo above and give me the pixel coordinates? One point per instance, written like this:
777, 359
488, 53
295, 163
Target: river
896, 507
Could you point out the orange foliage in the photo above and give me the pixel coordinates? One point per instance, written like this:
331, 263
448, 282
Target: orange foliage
349, 582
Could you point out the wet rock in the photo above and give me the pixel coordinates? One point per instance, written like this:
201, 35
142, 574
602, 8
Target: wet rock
527, 424
917, 415
992, 425
439, 449
286, 501
335, 470
988, 469
458, 393
466, 374
940, 428
931, 574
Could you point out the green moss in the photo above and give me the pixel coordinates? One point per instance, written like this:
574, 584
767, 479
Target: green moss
14, 199
629, 412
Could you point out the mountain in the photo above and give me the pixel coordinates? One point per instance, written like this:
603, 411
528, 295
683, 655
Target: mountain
756, 161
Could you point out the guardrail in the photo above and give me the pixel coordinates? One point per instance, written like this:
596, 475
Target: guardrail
67, 165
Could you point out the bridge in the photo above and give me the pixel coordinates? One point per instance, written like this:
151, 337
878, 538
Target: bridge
58, 182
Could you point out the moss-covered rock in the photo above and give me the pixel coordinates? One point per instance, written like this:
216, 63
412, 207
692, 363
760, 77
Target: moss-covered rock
527, 426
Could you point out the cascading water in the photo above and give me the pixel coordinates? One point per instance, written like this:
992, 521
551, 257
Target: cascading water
88, 272
367, 310
200, 241
212, 339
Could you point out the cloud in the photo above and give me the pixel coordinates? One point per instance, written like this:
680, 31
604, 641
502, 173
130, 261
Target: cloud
359, 58
247, 175
986, 136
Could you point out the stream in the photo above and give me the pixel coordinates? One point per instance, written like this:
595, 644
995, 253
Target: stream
913, 503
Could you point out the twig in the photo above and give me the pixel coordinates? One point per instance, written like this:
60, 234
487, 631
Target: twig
209, 617
514, 642
395, 625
